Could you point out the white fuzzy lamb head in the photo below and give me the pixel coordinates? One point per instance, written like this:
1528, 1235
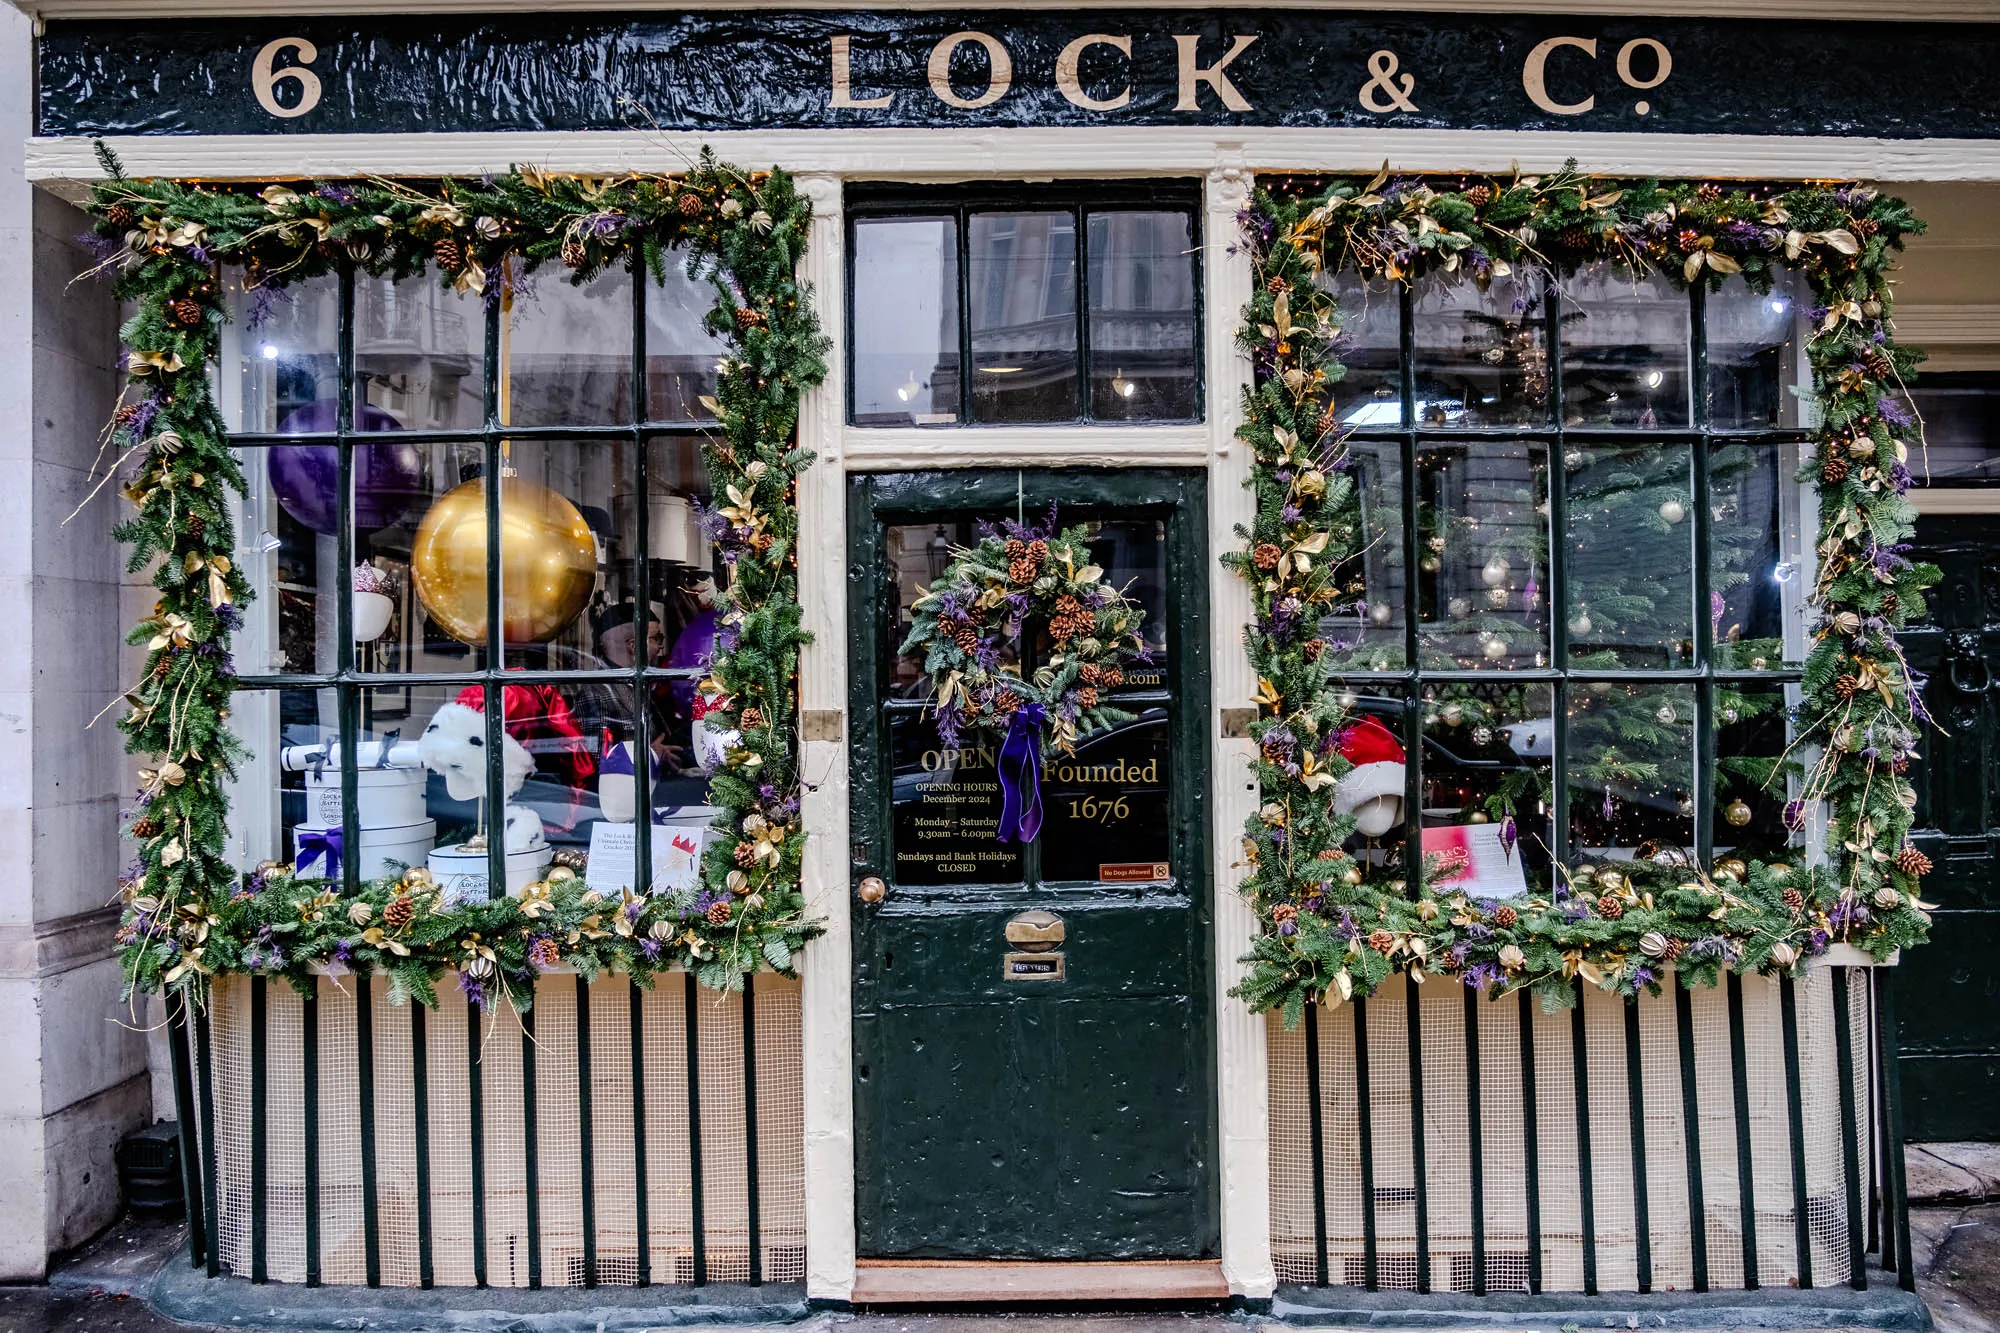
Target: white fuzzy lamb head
454, 747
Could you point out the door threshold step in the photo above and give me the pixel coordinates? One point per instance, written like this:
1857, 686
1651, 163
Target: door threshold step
968, 1281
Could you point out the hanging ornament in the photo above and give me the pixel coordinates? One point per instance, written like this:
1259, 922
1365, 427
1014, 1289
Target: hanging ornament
548, 561
1453, 714
1573, 459
1496, 571
1685, 804
1430, 564
1531, 593
1666, 715
1581, 625
1458, 607
1381, 613
1436, 544
1482, 735
1729, 714
1479, 817
388, 475
1757, 664
1497, 597
1737, 812
1673, 511
1493, 356
1496, 648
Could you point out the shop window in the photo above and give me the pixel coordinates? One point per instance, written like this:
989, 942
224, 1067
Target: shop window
380, 423
1033, 308
1961, 415
1577, 594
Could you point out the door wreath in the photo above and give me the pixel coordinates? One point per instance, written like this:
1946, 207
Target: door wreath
1033, 578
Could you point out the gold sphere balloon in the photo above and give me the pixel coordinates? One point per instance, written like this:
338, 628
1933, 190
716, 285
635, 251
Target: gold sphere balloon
548, 562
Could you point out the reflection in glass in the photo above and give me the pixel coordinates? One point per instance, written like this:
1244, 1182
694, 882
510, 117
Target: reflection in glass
1631, 558
946, 807
1108, 805
419, 355
1755, 354
567, 350
413, 637
1363, 629
1021, 285
1755, 777
1625, 350
1488, 747
1142, 327
681, 354
1961, 416
1370, 392
905, 354
1482, 356
278, 368
1631, 767
1483, 563
1754, 591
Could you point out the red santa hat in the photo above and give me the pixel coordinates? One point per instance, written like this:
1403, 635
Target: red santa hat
1377, 757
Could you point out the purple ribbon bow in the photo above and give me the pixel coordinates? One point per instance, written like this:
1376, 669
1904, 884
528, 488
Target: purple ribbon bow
319, 845
1021, 776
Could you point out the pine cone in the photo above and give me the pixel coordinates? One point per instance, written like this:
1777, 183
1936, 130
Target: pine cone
544, 954
126, 414
573, 253
185, 312
1708, 191
145, 826
1891, 603
1381, 940
1330, 853
718, 913
450, 255
1675, 948
1277, 284
690, 205
1611, 907
1795, 902
1327, 421
195, 526
1834, 470
1038, 551
1689, 240
399, 912
1864, 227
121, 216
746, 318
1504, 916
753, 717
746, 854
1015, 548
163, 664
1266, 555
964, 634
1086, 697
1912, 862
1879, 363
1313, 649
1111, 678
1576, 238
1847, 687
1899, 765
1479, 196
763, 542
1021, 570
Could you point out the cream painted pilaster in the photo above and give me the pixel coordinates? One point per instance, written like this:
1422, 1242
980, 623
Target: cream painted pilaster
1242, 1075
827, 1000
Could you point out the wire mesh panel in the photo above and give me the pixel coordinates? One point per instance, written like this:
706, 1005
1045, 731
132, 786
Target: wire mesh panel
1566, 1137
542, 1187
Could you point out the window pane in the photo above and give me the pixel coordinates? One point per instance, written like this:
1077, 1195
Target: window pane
1142, 327
1022, 290
918, 554
905, 353
1755, 593
1482, 356
1487, 755
276, 792
1755, 775
560, 557
1109, 805
1755, 354
1483, 567
419, 356
946, 806
1631, 556
1625, 350
681, 354
1132, 552
1961, 414
412, 619
567, 350
1631, 768
1364, 631
278, 368
1370, 392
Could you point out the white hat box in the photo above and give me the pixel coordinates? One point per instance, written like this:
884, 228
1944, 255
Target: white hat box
384, 797
461, 875
383, 850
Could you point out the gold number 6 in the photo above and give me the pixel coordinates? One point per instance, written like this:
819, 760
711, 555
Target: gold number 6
264, 80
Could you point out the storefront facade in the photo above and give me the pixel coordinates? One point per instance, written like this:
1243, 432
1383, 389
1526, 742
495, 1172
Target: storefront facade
1014, 1069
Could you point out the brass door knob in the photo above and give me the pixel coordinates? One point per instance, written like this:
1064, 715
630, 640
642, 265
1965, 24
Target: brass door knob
871, 889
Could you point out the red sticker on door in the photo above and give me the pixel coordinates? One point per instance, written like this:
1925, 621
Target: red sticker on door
1131, 872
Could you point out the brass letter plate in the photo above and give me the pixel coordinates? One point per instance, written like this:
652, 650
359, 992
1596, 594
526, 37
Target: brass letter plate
1031, 967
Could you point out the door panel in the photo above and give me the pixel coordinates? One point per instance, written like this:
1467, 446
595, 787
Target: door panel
1050, 1116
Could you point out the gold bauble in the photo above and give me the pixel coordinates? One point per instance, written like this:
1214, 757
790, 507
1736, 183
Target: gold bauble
1610, 880
1737, 812
548, 562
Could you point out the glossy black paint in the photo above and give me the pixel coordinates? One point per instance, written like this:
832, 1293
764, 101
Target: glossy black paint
720, 70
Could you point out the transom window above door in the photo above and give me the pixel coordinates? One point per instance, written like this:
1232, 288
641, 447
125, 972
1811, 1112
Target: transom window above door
1023, 304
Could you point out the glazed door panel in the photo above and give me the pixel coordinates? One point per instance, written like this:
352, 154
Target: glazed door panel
1064, 1111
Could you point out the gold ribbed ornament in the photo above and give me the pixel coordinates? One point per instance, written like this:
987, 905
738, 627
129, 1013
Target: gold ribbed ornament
548, 562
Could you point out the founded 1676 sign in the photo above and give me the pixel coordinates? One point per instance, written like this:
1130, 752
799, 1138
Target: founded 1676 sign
828, 69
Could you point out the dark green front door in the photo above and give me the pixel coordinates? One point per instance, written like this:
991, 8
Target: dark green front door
1949, 990
1059, 1106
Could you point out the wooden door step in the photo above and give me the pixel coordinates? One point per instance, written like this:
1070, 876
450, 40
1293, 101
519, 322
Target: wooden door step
968, 1281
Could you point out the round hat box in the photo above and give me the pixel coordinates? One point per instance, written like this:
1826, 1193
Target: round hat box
384, 797
461, 875
383, 850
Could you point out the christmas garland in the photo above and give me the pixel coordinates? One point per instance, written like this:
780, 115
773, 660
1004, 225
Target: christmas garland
190, 914
1332, 928
1023, 574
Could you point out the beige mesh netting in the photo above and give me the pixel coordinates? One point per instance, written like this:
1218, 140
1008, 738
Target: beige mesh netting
432, 1195
1510, 1091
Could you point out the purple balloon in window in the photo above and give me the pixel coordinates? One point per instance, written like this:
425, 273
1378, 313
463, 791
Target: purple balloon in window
388, 477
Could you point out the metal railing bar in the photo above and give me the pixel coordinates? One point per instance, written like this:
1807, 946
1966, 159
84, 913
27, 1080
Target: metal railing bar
1475, 1141
1579, 1051
475, 1110
1413, 1027
697, 1221
1370, 1260
309, 1071
531, 1143
260, 1129
184, 1124
1746, 1183
1531, 1144
586, 1147
1850, 1129
1316, 1134
364, 1084
1691, 1134
1788, 1012
1635, 1104
1896, 1222
420, 1124
205, 1070
752, 1187
641, 1189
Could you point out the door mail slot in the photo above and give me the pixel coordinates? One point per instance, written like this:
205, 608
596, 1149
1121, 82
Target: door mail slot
1032, 967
